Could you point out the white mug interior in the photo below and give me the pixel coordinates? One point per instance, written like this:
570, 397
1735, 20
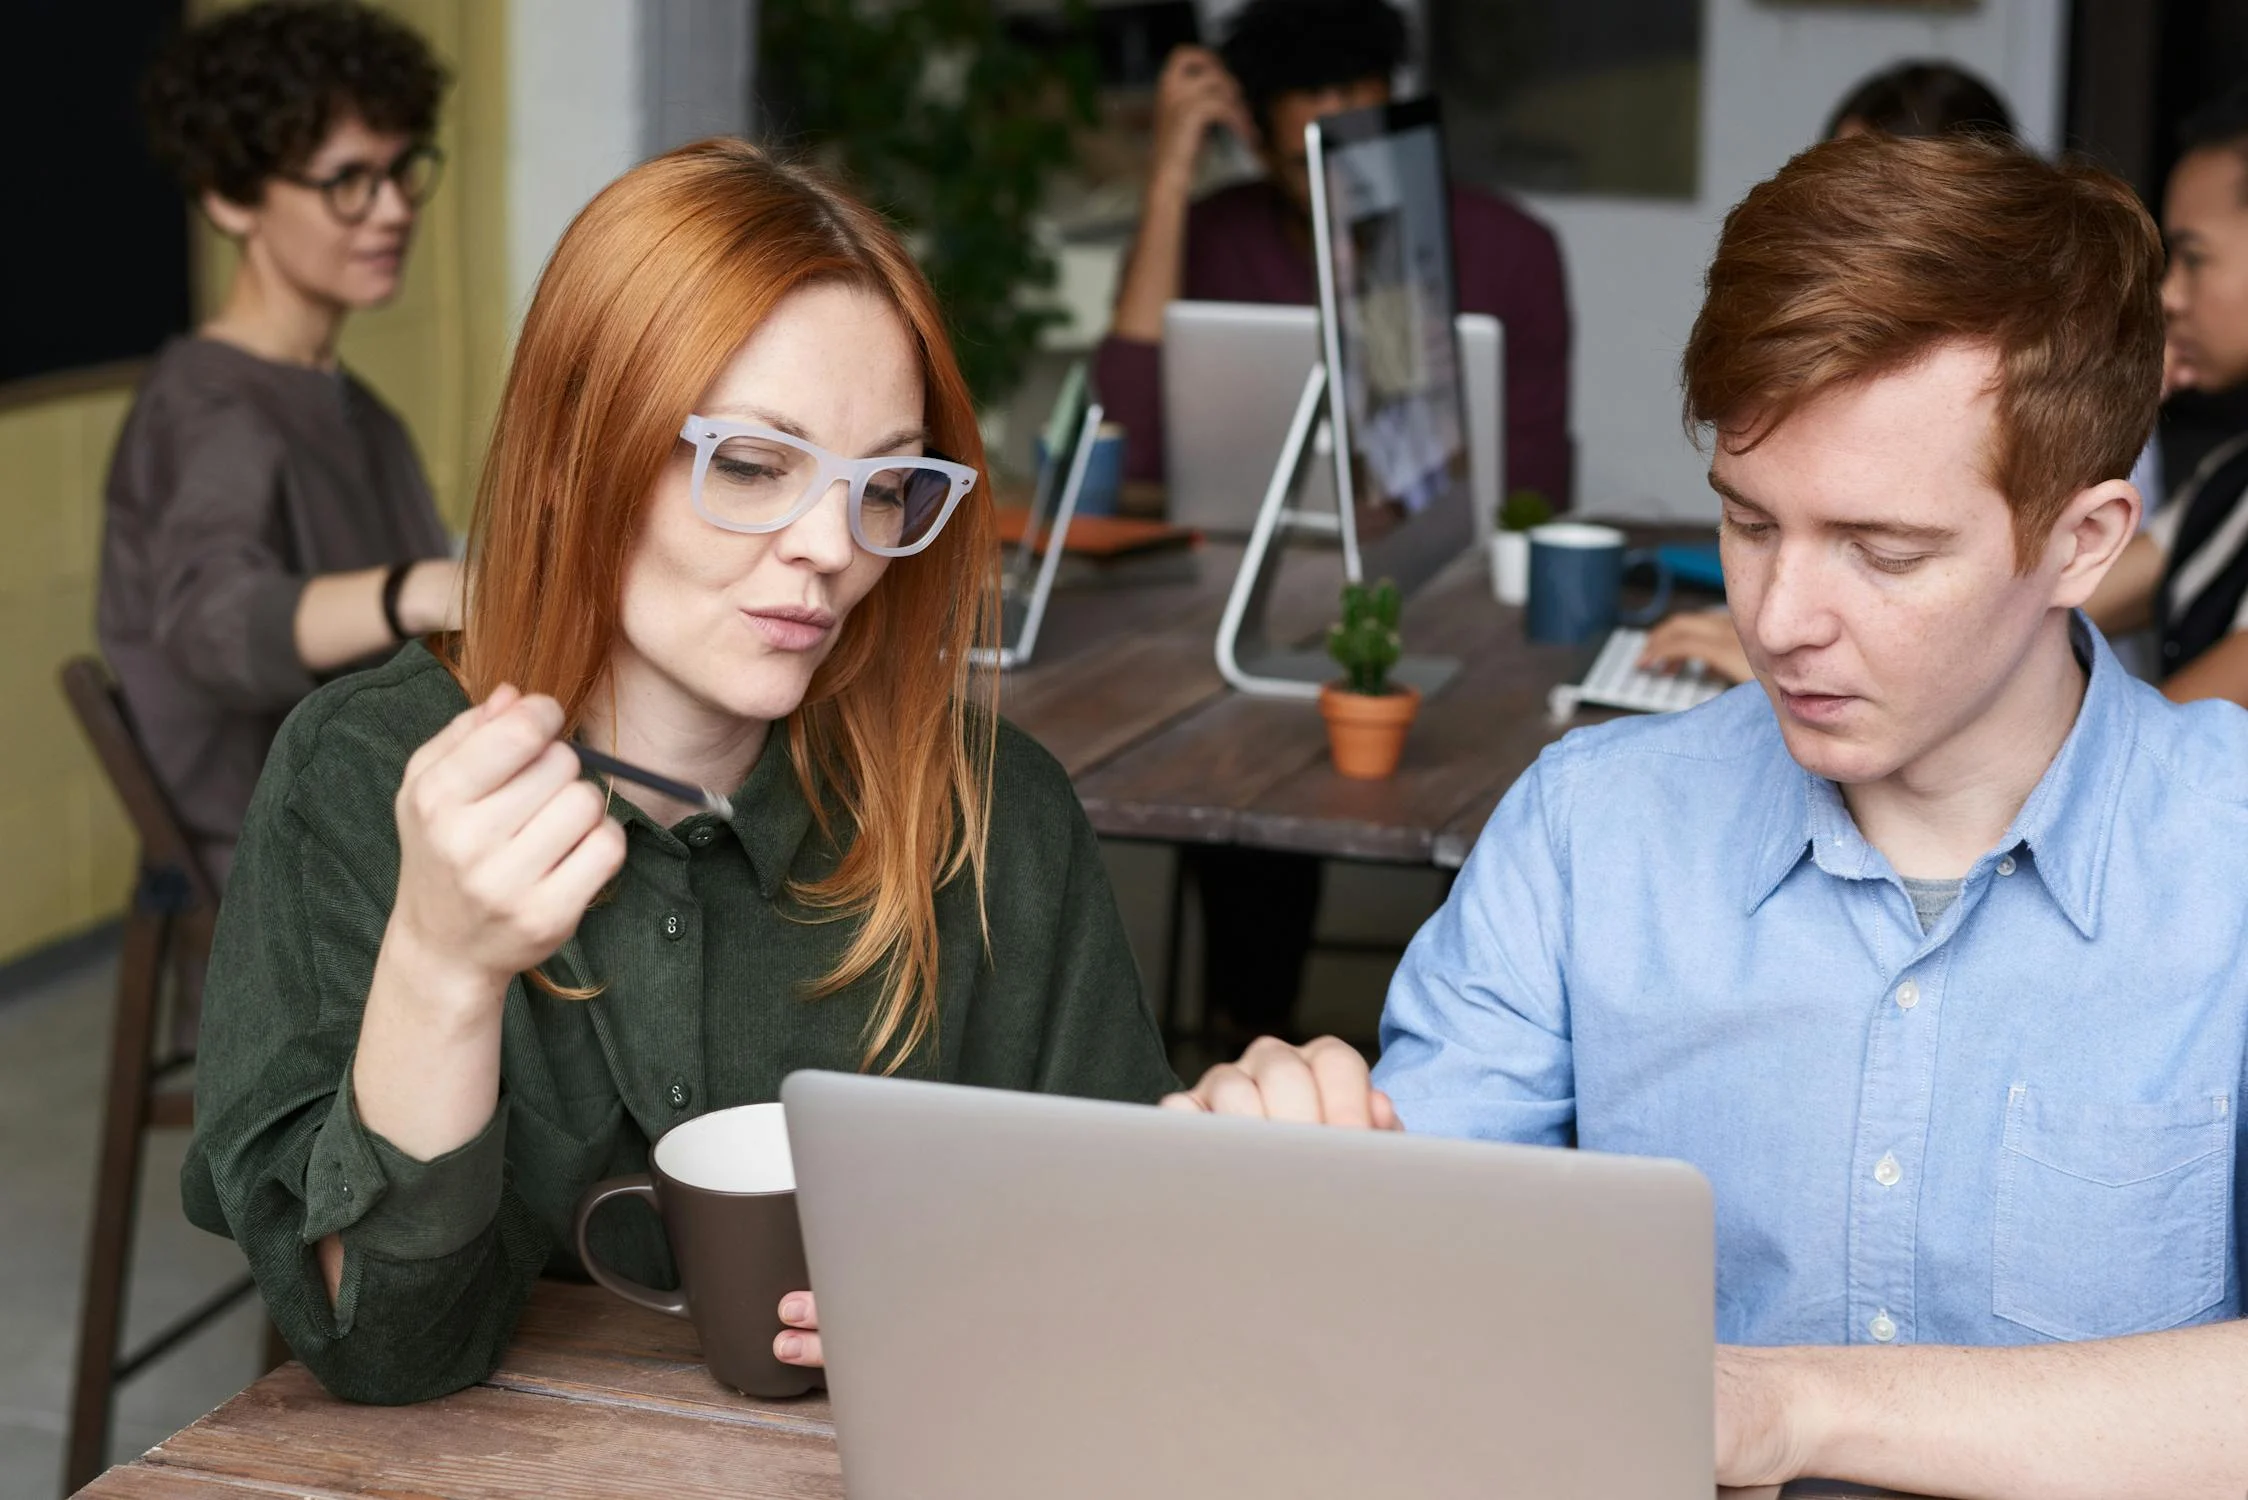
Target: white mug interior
740, 1150
1580, 534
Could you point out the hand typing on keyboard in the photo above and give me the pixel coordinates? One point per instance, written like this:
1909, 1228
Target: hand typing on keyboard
1617, 680
1703, 635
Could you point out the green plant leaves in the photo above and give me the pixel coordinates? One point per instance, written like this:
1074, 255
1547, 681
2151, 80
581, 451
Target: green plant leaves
1365, 641
943, 120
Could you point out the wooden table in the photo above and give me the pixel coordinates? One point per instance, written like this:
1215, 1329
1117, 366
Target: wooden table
1125, 691
595, 1398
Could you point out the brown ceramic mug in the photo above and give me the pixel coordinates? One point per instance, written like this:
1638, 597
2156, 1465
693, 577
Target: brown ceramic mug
725, 1188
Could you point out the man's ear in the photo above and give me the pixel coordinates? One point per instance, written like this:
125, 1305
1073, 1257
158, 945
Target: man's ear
2094, 528
232, 219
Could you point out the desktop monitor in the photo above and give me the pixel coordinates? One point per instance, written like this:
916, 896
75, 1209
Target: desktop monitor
1382, 231
1387, 389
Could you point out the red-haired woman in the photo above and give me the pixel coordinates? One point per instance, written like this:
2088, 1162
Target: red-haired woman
727, 530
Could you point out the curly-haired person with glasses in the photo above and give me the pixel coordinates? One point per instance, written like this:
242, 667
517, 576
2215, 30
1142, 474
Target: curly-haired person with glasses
268, 522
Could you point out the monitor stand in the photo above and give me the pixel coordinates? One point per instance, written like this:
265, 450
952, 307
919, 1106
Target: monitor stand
1247, 658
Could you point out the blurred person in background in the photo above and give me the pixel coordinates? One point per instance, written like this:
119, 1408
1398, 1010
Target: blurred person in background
2186, 574
268, 523
1908, 99
1283, 64
1920, 98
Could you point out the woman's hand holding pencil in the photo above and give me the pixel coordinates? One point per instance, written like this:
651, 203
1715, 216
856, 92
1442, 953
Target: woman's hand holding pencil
502, 842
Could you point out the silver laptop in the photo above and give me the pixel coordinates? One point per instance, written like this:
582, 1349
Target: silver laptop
1232, 373
1024, 1298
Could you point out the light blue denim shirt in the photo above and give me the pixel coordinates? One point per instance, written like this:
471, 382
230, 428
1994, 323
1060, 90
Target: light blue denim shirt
1671, 940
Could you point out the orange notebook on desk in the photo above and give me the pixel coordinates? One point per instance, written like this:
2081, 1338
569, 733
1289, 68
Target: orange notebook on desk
1102, 536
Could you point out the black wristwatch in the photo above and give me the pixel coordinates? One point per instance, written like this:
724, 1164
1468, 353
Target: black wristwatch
392, 584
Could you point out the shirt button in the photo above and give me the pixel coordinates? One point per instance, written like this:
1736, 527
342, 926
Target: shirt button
701, 837
672, 925
1886, 1171
2170, 649
1908, 995
1883, 1327
2006, 865
679, 1094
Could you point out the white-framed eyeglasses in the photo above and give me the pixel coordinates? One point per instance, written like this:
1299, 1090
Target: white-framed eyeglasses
752, 478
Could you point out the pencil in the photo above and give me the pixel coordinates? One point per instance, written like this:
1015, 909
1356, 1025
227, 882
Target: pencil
678, 791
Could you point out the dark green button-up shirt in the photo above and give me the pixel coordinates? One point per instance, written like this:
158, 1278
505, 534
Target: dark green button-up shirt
705, 963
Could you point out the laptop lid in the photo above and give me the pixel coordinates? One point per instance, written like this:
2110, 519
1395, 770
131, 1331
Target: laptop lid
1025, 1297
1028, 569
1232, 372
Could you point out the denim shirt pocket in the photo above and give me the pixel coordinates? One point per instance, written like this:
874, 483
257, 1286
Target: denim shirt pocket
2112, 1218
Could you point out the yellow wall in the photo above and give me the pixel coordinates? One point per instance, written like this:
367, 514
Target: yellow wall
65, 852
438, 355
439, 352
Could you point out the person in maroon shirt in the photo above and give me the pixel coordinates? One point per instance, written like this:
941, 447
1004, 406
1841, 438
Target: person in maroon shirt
1285, 63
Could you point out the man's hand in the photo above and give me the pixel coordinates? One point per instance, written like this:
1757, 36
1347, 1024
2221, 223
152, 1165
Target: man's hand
1194, 93
1706, 636
799, 1342
1320, 1083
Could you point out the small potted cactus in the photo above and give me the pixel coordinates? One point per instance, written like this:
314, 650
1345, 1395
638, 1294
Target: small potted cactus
1510, 544
1367, 714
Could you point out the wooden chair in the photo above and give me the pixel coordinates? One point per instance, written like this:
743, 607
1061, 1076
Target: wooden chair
167, 932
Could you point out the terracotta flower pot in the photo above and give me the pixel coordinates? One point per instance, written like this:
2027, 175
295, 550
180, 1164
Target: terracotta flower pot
1367, 735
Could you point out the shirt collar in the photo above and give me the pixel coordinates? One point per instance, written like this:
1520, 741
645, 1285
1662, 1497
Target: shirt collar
2066, 824
771, 814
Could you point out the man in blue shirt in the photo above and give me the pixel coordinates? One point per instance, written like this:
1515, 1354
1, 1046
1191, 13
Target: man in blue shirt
1930, 949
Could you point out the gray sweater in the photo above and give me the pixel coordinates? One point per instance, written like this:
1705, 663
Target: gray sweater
234, 482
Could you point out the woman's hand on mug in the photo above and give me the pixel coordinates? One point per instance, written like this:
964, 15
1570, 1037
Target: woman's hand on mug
1706, 636
502, 843
799, 1342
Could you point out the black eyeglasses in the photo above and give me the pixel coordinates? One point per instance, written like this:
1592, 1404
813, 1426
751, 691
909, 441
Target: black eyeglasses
350, 192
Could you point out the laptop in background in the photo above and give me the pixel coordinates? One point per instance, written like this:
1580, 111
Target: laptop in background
1232, 373
1024, 1297
1026, 579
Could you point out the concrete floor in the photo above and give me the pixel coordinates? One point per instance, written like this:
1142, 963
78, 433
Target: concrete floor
54, 1040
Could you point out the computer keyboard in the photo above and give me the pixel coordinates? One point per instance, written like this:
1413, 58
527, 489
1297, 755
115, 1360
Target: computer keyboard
1617, 681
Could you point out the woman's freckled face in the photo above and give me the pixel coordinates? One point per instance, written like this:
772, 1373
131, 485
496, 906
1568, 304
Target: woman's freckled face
836, 363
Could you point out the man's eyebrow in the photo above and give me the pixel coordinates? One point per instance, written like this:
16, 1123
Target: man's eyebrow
779, 423
1898, 529
1732, 494
1903, 531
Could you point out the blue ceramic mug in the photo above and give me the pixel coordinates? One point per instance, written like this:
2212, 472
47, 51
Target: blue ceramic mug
1104, 470
1577, 580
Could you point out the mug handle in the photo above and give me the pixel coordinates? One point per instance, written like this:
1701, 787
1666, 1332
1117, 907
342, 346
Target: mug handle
639, 1186
1659, 606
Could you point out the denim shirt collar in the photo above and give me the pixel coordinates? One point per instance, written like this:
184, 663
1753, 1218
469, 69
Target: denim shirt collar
2066, 825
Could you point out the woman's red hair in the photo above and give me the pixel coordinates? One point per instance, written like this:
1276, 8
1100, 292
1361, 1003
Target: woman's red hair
652, 289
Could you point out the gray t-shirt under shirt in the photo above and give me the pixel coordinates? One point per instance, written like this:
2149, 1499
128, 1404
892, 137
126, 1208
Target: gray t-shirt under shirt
1931, 898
